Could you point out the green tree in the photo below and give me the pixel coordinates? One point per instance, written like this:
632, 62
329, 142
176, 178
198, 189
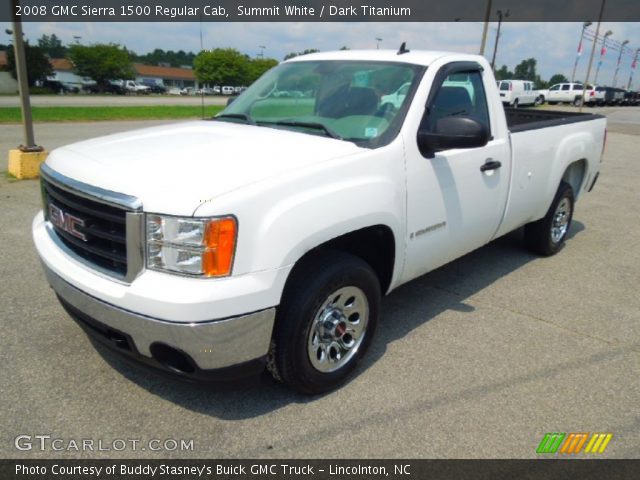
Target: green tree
558, 78
52, 46
258, 66
503, 73
101, 62
38, 66
222, 66
297, 54
526, 70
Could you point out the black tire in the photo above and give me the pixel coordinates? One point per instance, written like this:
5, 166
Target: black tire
310, 287
539, 236
515, 103
576, 102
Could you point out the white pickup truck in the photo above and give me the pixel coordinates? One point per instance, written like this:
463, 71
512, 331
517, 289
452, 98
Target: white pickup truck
267, 235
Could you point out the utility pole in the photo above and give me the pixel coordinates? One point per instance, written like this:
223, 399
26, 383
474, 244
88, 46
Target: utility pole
615, 75
593, 51
487, 16
495, 48
378, 40
603, 52
25, 160
575, 66
633, 67
261, 54
23, 83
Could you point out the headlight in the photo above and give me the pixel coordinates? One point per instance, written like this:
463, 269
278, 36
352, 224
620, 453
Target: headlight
194, 246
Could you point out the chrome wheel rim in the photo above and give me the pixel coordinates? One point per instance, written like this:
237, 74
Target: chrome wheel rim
338, 328
561, 220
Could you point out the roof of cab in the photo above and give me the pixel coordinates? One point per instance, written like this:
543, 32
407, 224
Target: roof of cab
418, 57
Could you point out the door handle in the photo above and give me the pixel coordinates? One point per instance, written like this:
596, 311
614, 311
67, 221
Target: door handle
490, 164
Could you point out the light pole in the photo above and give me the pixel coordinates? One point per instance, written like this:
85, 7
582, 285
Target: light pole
501, 15
487, 17
584, 27
603, 52
593, 51
378, 40
633, 67
23, 85
615, 75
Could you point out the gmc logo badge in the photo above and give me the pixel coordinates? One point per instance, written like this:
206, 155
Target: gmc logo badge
66, 222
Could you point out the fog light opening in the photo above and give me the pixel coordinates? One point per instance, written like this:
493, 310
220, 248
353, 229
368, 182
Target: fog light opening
172, 358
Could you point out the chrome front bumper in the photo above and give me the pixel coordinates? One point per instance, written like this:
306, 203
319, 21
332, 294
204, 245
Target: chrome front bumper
212, 345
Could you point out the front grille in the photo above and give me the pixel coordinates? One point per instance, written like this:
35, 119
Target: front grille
104, 228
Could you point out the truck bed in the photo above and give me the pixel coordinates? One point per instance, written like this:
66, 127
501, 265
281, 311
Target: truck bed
521, 119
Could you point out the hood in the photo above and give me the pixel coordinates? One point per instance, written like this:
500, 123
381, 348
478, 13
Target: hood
174, 168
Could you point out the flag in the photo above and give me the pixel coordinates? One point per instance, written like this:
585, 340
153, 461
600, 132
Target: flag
580, 48
603, 51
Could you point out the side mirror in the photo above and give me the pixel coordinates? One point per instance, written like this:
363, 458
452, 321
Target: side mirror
230, 100
453, 132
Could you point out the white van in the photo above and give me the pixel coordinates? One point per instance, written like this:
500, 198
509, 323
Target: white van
517, 92
228, 90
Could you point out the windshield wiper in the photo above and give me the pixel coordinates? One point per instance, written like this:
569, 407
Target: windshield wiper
241, 116
314, 125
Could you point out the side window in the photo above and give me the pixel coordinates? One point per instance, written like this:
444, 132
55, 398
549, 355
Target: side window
565, 86
555, 87
577, 87
461, 94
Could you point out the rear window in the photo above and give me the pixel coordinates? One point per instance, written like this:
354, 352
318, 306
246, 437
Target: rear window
577, 87
504, 86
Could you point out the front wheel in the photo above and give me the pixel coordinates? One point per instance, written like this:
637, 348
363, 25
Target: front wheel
547, 235
325, 323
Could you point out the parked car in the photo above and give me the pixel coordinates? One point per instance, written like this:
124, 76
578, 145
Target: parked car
594, 95
613, 96
226, 90
515, 93
565, 93
154, 87
136, 88
282, 260
631, 98
60, 87
110, 87
177, 91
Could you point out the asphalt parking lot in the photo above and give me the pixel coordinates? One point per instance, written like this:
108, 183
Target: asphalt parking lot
478, 359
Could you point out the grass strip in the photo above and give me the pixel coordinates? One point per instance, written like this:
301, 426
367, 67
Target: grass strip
97, 114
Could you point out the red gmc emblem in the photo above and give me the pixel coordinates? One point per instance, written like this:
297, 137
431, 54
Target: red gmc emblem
66, 222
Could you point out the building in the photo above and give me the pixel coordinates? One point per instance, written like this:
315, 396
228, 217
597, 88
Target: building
8, 84
166, 76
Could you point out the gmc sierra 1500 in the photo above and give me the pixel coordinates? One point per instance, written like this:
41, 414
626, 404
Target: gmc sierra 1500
268, 234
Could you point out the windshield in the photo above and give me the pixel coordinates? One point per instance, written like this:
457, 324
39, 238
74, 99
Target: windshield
359, 101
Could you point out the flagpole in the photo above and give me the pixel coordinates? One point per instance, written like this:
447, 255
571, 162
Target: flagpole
575, 66
593, 51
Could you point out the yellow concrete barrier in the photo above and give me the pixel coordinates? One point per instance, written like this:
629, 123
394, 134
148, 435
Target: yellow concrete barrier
25, 165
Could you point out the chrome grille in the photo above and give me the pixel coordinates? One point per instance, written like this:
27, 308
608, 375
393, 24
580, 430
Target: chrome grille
101, 228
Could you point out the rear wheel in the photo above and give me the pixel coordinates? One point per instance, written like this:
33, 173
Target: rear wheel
577, 102
515, 103
547, 235
325, 323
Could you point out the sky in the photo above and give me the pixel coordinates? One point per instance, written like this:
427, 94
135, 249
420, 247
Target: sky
554, 45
